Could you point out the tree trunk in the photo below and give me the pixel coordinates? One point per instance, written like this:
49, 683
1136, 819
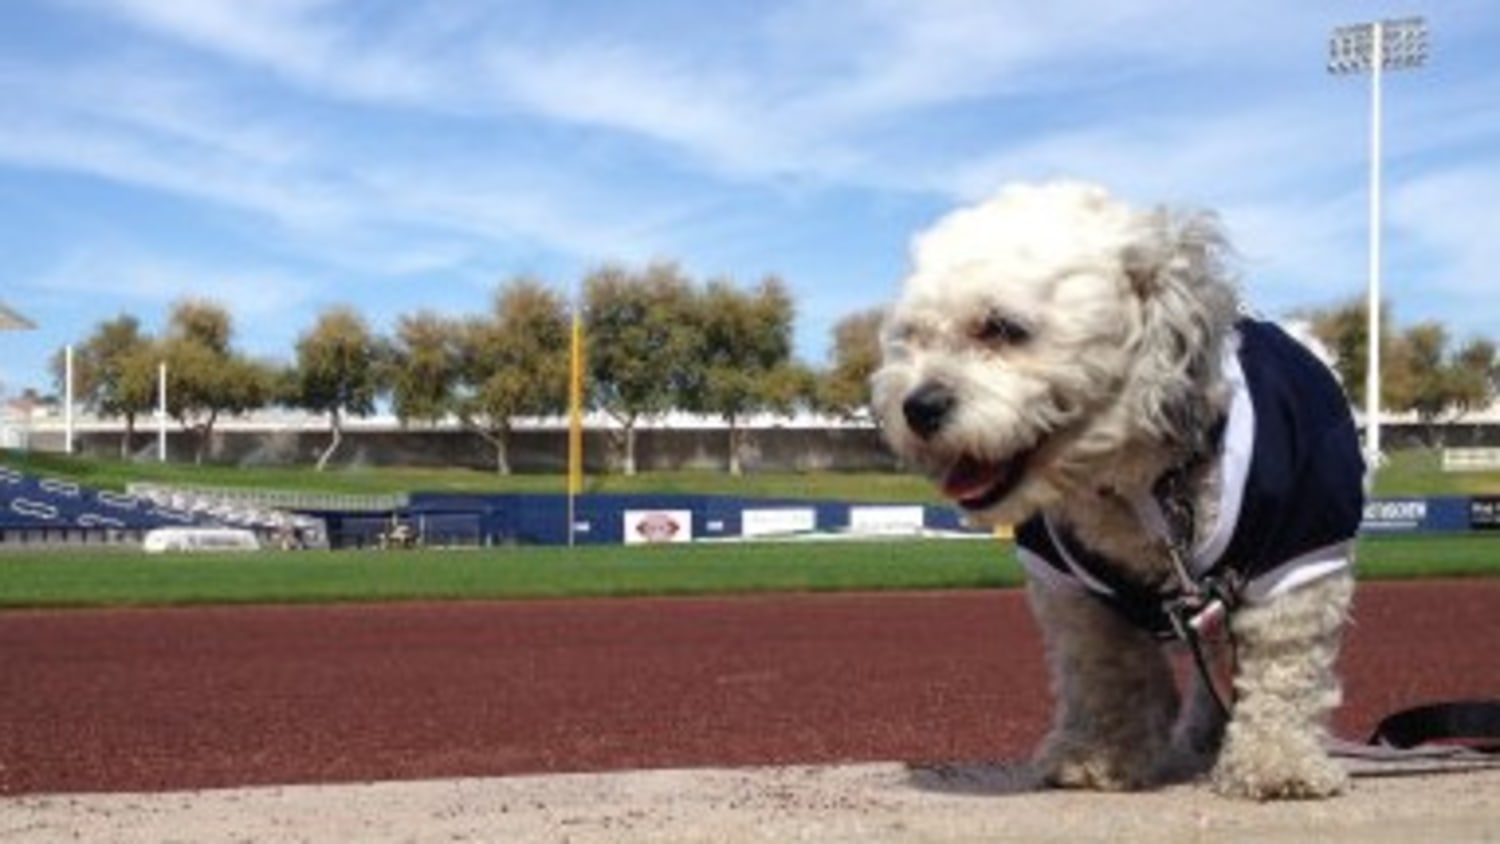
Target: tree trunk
622, 443
127, 440
501, 441
734, 446
336, 436
630, 449
205, 433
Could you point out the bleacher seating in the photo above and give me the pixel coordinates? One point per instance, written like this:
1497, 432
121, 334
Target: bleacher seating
30, 502
52, 510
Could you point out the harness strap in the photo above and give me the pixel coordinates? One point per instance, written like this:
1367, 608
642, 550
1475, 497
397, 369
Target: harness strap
1203, 602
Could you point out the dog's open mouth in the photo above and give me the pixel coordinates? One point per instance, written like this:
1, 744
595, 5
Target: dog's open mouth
976, 484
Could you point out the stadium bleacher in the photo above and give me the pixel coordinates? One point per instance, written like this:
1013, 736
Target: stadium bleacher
28, 502
48, 510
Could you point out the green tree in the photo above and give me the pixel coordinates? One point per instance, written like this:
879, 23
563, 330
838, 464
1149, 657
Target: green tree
114, 373
844, 388
422, 364
1478, 371
1344, 329
640, 344
746, 358
1419, 375
1419, 372
206, 378
1439, 385
514, 363
336, 372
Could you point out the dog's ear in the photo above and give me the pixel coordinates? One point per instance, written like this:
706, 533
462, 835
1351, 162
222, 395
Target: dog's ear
1187, 305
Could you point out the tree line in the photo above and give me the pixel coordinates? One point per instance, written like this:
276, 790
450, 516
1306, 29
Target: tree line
1423, 372
655, 341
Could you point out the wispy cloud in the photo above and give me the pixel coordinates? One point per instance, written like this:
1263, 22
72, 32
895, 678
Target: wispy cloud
1447, 217
356, 146
157, 282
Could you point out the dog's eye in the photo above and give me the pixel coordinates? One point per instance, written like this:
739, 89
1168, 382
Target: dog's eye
999, 328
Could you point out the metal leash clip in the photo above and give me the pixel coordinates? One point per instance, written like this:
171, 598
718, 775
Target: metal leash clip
1201, 611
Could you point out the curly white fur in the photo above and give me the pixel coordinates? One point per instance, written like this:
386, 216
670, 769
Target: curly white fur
1057, 350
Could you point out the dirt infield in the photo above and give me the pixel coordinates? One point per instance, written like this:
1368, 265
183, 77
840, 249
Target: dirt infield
166, 700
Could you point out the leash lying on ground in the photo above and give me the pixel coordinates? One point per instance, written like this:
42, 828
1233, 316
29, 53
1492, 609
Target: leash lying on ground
1437, 737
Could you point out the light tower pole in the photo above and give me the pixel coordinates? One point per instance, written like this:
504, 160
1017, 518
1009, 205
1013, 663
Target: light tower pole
1376, 47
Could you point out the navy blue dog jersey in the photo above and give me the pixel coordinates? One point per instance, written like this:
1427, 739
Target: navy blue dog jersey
1291, 496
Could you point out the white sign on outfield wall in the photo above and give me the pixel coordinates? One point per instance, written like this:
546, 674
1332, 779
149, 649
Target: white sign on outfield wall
642, 526
902, 519
779, 520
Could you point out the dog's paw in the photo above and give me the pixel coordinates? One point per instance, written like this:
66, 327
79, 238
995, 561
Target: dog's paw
1273, 773
1064, 765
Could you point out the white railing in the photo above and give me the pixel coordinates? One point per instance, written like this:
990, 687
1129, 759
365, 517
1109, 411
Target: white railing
272, 498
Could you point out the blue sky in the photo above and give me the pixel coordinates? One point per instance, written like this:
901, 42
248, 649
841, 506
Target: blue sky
284, 156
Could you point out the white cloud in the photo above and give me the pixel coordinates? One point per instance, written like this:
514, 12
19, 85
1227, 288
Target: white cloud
280, 34
796, 99
122, 272
1449, 268
1295, 255
453, 140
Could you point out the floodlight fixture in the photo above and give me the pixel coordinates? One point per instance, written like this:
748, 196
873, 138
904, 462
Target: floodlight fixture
1402, 44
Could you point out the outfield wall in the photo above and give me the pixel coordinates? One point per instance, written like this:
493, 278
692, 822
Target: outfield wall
613, 519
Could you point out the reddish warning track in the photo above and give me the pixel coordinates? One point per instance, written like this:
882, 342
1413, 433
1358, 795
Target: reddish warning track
188, 698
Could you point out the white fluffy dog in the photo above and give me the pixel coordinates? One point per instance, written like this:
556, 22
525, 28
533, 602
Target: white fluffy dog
1067, 363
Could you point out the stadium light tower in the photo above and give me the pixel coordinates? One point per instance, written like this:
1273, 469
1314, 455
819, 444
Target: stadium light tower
1376, 47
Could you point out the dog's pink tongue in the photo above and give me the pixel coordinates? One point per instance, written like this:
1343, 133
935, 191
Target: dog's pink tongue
970, 478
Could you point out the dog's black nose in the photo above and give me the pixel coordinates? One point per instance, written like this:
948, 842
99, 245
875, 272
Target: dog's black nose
927, 408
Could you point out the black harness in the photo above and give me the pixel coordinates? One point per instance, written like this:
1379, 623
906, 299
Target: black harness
1186, 608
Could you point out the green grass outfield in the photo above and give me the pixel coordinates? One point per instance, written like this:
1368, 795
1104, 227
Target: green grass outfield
129, 578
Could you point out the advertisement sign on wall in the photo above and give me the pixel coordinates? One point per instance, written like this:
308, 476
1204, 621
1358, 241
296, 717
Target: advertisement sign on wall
1434, 514
1394, 514
886, 520
1484, 512
642, 526
777, 521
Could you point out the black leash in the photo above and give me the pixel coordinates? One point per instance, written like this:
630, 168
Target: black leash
1200, 604
1474, 724
1192, 617
1435, 738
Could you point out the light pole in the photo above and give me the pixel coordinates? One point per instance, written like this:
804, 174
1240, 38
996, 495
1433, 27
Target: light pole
1377, 47
161, 412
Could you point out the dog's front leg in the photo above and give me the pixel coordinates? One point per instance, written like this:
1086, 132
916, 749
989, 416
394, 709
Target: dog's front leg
1286, 687
1114, 693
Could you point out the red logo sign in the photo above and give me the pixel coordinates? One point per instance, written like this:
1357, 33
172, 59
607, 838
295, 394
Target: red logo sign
657, 527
